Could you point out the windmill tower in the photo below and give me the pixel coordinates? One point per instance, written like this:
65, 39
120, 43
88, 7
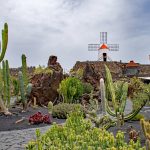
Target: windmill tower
103, 48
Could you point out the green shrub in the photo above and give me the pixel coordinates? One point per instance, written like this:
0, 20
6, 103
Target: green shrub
71, 89
87, 88
63, 109
40, 70
138, 117
78, 134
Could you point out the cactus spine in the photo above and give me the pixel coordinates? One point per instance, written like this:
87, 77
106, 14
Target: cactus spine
102, 90
24, 70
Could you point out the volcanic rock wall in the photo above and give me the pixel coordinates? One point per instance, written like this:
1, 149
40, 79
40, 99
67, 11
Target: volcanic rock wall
94, 70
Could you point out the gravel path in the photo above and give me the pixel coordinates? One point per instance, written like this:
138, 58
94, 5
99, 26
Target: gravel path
16, 139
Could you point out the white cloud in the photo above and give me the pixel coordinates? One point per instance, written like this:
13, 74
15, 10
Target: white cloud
65, 27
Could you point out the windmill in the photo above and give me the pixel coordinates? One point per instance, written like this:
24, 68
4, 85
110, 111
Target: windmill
103, 48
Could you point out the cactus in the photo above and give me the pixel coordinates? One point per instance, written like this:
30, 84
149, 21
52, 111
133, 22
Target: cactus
50, 107
4, 41
24, 70
21, 87
118, 105
102, 89
6, 81
3, 48
103, 121
146, 130
24, 92
148, 144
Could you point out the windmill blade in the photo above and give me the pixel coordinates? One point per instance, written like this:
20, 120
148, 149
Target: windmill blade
113, 47
103, 37
93, 47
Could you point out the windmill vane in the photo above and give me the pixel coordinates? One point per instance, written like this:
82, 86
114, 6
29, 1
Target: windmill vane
103, 47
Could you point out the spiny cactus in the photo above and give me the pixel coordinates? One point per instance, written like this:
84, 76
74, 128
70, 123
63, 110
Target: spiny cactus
50, 107
6, 83
119, 107
91, 111
24, 70
146, 130
4, 42
102, 89
24, 92
3, 48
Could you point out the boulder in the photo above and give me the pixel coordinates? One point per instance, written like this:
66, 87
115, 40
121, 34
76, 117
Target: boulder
45, 85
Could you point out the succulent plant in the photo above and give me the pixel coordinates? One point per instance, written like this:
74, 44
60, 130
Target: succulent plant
4, 42
3, 48
146, 130
119, 100
24, 92
6, 83
78, 134
24, 70
71, 89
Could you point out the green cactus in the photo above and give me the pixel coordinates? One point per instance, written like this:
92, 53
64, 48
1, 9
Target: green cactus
5, 82
3, 48
24, 70
8, 82
24, 92
146, 130
148, 144
102, 90
50, 107
21, 86
118, 100
4, 41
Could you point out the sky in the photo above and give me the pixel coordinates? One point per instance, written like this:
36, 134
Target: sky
40, 28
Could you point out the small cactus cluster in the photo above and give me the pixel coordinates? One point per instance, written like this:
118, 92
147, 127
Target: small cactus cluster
91, 111
24, 87
146, 129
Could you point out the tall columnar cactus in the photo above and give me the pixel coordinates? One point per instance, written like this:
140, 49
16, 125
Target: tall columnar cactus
102, 91
24, 92
119, 107
4, 42
21, 86
3, 47
8, 82
146, 129
4, 81
24, 70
